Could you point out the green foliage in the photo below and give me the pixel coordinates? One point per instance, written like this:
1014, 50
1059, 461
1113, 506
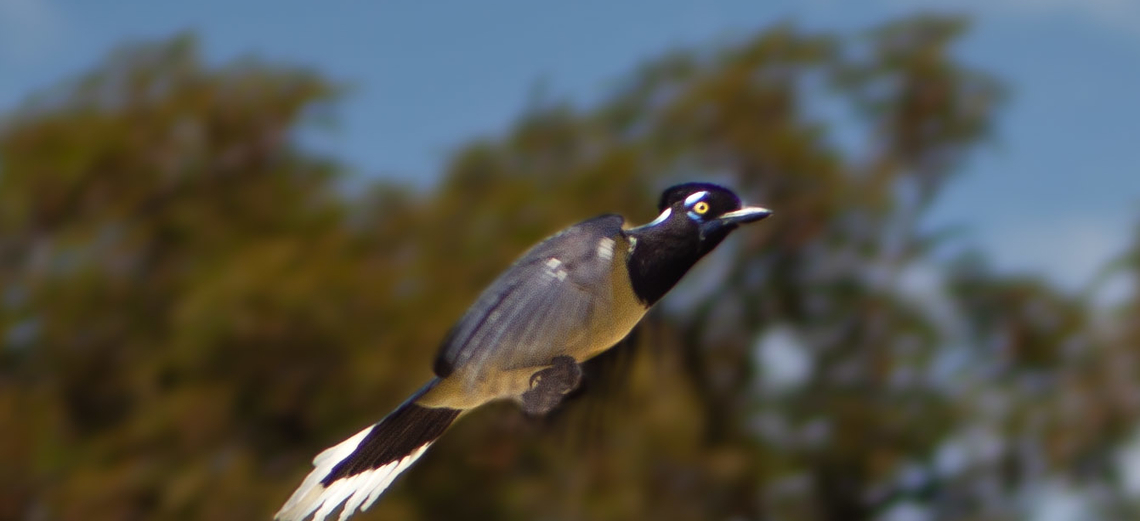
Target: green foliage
192, 309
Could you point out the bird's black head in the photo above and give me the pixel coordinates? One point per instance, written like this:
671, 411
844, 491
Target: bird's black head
694, 219
708, 210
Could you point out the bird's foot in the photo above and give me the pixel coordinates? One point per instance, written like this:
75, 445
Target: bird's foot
548, 386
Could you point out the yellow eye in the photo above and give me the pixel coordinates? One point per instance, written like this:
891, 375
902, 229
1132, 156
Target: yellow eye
701, 207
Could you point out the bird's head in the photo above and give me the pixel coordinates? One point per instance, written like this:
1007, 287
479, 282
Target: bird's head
712, 211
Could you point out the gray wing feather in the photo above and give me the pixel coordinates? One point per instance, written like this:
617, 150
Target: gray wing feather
538, 308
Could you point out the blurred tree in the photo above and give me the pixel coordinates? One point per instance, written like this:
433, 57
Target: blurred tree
192, 308
168, 260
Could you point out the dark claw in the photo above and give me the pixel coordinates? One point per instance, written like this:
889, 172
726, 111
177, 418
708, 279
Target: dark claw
549, 385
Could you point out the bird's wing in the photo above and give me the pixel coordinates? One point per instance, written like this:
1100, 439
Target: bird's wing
543, 305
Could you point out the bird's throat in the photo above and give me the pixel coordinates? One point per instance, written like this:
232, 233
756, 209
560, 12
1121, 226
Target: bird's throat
658, 261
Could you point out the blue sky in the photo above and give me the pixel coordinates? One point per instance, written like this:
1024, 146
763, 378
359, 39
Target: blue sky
1059, 193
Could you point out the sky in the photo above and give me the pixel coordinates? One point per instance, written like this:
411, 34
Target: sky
1058, 193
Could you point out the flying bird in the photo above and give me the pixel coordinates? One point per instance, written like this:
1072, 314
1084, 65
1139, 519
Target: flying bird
567, 299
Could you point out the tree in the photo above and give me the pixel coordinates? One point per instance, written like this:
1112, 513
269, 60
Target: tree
193, 306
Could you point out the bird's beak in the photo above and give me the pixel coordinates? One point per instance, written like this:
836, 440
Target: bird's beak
744, 215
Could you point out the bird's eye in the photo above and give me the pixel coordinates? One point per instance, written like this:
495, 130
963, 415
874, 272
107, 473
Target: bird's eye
701, 207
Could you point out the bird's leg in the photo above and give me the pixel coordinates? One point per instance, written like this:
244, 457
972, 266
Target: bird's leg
548, 386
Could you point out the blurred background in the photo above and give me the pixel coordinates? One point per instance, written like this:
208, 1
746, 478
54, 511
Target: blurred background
232, 234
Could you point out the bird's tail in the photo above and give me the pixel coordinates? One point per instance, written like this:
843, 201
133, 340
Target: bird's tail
360, 468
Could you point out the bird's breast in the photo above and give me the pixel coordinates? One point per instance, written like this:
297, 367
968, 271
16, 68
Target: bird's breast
616, 317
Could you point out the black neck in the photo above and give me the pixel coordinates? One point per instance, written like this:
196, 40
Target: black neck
662, 255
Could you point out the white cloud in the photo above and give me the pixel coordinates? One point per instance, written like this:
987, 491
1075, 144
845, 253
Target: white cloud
1058, 501
1069, 250
29, 29
1117, 14
1128, 465
907, 511
783, 361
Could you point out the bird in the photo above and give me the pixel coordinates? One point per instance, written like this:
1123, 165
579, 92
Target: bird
567, 299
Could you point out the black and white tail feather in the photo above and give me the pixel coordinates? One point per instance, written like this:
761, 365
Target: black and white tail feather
358, 470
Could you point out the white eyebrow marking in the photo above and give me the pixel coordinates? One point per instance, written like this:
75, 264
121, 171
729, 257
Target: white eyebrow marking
606, 248
553, 263
661, 218
692, 199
